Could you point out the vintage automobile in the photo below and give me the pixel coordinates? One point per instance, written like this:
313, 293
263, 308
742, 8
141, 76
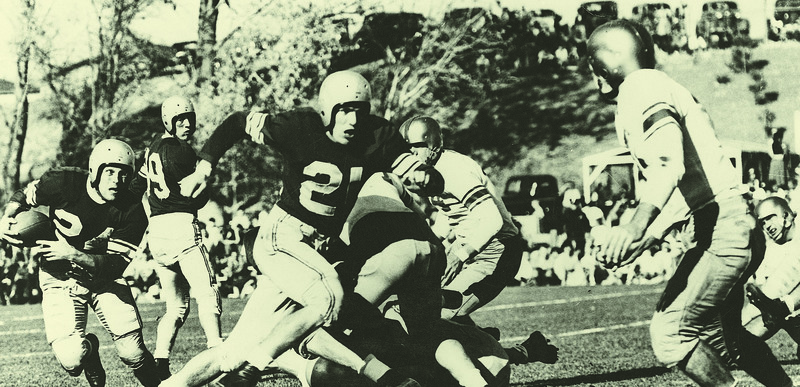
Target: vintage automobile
721, 23
521, 192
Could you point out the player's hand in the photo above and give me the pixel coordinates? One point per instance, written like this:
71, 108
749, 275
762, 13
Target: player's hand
195, 183
6, 232
452, 269
636, 249
54, 250
416, 181
424, 181
614, 245
457, 253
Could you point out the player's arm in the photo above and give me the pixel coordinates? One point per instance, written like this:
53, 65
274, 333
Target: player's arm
418, 177
128, 231
138, 184
661, 152
109, 265
22, 200
237, 126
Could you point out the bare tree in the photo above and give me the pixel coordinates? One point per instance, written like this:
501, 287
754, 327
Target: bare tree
86, 106
207, 39
18, 124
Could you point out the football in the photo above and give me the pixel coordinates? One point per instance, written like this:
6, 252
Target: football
32, 226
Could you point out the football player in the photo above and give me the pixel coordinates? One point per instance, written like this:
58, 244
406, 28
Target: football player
83, 268
390, 250
672, 141
484, 246
175, 239
468, 357
775, 291
327, 153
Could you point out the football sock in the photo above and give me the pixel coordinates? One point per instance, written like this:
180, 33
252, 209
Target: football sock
471, 378
517, 354
373, 368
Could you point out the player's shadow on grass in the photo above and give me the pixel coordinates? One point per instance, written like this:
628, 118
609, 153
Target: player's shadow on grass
615, 376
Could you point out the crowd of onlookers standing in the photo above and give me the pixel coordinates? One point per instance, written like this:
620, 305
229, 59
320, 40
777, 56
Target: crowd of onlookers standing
560, 256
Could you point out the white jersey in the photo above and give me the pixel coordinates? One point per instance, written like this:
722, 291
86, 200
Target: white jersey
470, 201
779, 273
650, 101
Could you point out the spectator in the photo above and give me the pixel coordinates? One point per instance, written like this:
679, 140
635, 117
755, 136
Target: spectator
575, 224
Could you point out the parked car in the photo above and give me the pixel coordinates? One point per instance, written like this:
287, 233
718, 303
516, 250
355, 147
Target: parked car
521, 191
721, 22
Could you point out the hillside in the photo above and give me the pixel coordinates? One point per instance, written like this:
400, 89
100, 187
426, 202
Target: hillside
736, 116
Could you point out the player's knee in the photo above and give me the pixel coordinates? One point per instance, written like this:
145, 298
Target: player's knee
131, 349
70, 352
325, 299
208, 301
177, 314
669, 348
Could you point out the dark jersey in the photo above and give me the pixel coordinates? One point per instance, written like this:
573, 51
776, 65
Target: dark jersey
83, 219
320, 177
167, 161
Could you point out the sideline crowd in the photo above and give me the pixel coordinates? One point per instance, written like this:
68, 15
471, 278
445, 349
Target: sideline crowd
564, 259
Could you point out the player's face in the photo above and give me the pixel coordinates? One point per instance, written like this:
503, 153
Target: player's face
346, 121
424, 153
112, 180
602, 78
775, 222
425, 145
184, 126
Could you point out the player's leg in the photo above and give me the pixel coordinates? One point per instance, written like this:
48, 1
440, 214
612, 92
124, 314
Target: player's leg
117, 312
706, 367
483, 279
283, 252
176, 242
65, 316
265, 308
453, 357
688, 314
196, 268
175, 293
750, 353
471, 356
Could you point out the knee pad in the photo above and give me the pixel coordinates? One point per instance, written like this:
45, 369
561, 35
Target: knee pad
131, 349
70, 352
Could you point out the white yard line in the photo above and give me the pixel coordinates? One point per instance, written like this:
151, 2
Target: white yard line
567, 300
484, 309
517, 339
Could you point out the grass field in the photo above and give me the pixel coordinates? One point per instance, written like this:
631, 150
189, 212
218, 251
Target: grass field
602, 333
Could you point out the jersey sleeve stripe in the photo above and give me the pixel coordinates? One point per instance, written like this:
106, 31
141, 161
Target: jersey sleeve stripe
658, 119
404, 164
255, 123
479, 201
476, 194
30, 193
123, 248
